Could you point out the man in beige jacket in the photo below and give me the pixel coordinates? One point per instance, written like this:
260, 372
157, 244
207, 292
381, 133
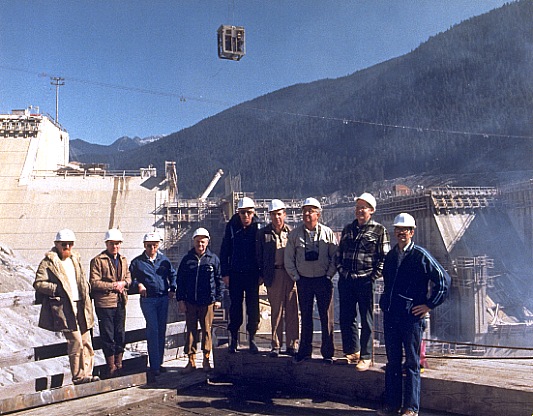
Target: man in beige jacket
63, 291
110, 278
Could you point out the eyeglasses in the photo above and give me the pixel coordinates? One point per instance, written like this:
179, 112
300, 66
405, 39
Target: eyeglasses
402, 230
67, 243
246, 212
309, 211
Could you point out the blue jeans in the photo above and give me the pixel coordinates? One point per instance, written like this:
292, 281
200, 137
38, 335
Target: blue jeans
353, 293
155, 311
402, 332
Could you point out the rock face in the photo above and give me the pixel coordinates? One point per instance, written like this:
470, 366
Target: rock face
15, 274
18, 319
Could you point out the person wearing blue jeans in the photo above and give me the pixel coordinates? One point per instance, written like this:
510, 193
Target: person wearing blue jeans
155, 278
405, 302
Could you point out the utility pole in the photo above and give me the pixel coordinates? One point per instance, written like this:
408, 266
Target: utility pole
58, 82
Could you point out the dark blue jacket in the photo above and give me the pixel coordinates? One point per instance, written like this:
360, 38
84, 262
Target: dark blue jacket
158, 277
199, 279
237, 253
408, 285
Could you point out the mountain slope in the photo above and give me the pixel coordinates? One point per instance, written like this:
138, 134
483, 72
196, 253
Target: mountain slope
410, 115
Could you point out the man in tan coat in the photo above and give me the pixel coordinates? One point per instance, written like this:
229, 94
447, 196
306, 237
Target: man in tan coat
63, 291
110, 278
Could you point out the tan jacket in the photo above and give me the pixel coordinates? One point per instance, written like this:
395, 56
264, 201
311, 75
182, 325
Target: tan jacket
52, 285
102, 276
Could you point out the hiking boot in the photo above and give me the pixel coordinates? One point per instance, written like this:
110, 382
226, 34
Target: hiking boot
353, 358
363, 364
85, 380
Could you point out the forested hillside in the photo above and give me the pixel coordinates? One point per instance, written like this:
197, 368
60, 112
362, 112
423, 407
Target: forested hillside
462, 102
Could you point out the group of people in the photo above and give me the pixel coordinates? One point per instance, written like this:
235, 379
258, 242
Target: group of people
297, 267
67, 299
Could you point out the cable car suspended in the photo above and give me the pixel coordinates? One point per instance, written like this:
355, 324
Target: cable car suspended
231, 43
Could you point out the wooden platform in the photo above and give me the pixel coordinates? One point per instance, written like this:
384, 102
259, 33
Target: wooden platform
460, 386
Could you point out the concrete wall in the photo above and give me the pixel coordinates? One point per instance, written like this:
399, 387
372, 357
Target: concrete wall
32, 211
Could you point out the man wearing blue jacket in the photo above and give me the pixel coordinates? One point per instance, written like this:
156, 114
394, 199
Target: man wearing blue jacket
199, 293
155, 278
240, 271
405, 301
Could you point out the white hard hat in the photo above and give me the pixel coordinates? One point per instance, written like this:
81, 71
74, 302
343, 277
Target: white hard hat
275, 205
201, 232
65, 235
245, 203
113, 235
312, 202
404, 220
369, 198
153, 236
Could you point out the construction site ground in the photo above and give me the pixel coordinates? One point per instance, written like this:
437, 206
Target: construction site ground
223, 392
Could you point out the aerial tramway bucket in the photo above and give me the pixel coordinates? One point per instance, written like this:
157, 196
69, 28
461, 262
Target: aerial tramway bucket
231, 44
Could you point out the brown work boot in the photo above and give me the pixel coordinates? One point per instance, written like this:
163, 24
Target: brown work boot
111, 367
118, 363
191, 365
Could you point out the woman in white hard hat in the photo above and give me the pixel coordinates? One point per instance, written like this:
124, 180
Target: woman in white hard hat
63, 291
199, 293
110, 278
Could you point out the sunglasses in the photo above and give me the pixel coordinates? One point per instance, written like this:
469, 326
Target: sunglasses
67, 243
246, 213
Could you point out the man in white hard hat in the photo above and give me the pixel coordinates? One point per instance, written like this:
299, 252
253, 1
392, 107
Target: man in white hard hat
405, 302
154, 277
281, 289
110, 278
310, 261
63, 290
199, 294
240, 272
362, 249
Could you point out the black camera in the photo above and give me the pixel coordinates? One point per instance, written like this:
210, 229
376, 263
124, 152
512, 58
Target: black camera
311, 255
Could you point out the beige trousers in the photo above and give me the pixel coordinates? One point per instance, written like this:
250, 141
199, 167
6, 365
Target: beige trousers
80, 350
283, 300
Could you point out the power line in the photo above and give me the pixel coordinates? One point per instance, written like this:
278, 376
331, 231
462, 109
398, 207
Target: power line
345, 121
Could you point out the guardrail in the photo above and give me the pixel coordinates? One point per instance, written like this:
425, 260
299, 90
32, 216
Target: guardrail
40, 390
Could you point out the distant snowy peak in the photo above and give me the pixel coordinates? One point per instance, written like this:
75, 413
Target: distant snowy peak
126, 143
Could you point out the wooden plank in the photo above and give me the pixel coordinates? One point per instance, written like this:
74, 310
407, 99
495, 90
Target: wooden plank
69, 392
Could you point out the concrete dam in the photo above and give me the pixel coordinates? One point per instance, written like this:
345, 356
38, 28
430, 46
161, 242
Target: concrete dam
482, 235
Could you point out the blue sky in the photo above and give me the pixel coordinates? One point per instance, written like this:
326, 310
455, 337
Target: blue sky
149, 67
